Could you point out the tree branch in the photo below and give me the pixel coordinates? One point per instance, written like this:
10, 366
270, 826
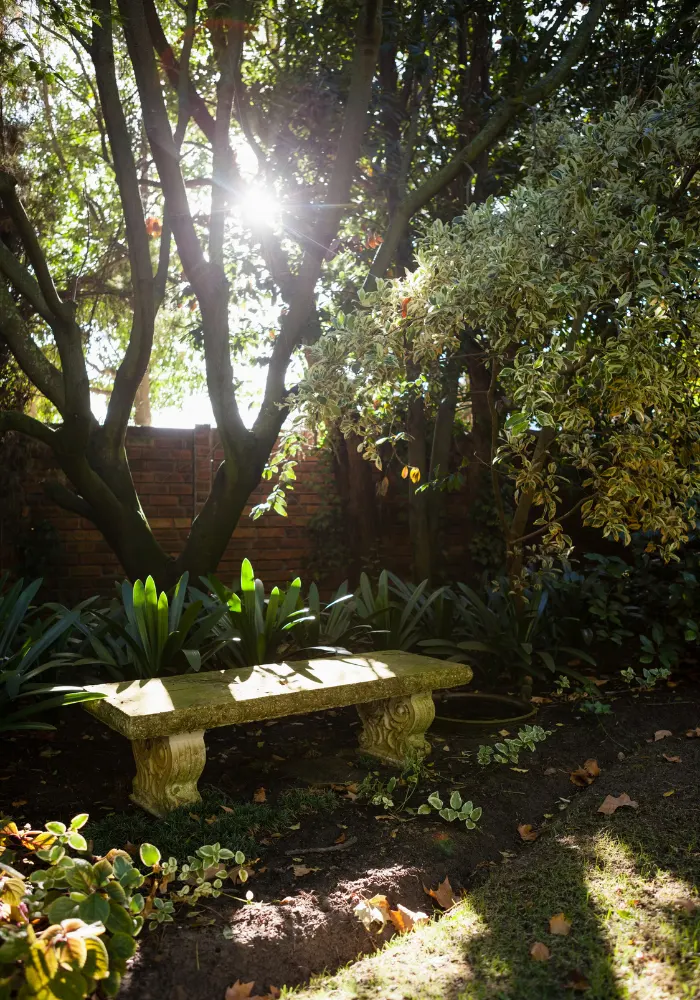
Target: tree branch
29, 356
22, 423
67, 499
301, 309
483, 141
138, 351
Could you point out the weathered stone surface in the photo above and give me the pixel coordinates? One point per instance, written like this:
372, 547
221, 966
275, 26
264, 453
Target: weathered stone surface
167, 771
394, 728
187, 703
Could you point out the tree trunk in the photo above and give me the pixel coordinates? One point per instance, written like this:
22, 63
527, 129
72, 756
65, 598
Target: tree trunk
142, 402
418, 509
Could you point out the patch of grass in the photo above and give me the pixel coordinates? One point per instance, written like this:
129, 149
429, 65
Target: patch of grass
627, 883
239, 826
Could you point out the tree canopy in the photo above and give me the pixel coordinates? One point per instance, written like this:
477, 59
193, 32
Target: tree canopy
184, 179
580, 293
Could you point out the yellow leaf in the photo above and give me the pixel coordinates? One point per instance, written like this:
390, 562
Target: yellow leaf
540, 952
259, 795
405, 920
404, 472
671, 792
415, 475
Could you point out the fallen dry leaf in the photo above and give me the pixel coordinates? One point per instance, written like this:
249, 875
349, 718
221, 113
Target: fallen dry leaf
610, 803
300, 870
443, 895
405, 920
286, 901
577, 981
526, 832
503, 732
693, 732
342, 838
373, 911
671, 791
671, 759
559, 924
550, 770
687, 904
227, 809
537, 700
259, 795
540, 952
239, 990
661, 734
19, 802
585, 775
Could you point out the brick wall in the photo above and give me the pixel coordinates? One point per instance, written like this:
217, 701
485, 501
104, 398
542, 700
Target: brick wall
172, 470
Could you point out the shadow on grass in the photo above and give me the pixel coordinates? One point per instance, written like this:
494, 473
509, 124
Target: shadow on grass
627, 883
239, 826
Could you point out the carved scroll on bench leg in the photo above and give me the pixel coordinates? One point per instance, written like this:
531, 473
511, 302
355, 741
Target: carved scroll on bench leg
167, 771
395, 727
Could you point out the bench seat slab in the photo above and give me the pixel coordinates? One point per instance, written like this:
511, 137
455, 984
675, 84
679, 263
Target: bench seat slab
167, 771
394, 728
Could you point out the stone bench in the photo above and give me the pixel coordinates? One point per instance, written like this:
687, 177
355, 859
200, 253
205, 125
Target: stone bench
165, 718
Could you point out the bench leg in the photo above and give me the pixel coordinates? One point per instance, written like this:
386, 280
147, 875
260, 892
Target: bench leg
167, 770
394, 728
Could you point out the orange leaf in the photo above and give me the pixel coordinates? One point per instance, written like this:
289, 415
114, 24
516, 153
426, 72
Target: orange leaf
693, 732
443, 895
526, 832
259, 795
540, 952
671, 759
592, 767
154, 226
227, 809
558, 924
405, 920
581, 778
404, 472
239, 990
610, 803
404, 307
342, 838
661, 734
19, 802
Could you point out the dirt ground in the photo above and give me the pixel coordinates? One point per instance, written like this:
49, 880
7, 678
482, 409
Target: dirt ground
300, 925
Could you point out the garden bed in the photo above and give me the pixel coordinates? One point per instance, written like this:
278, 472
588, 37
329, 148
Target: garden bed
310, 771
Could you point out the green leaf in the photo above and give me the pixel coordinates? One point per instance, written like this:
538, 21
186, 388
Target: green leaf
435, 800
424, 809
94, 909
77, 841
150, 855
62, 909
78, 822
455, 801
122, 945
56, 828
119, 919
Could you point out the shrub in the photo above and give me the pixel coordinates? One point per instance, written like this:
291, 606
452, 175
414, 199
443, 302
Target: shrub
68, 930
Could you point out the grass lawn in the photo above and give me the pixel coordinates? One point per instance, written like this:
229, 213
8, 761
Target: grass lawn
626, 882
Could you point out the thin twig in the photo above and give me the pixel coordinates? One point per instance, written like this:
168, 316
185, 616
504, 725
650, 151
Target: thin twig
322, 850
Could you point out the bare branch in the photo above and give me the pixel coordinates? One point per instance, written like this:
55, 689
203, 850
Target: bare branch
67, 499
